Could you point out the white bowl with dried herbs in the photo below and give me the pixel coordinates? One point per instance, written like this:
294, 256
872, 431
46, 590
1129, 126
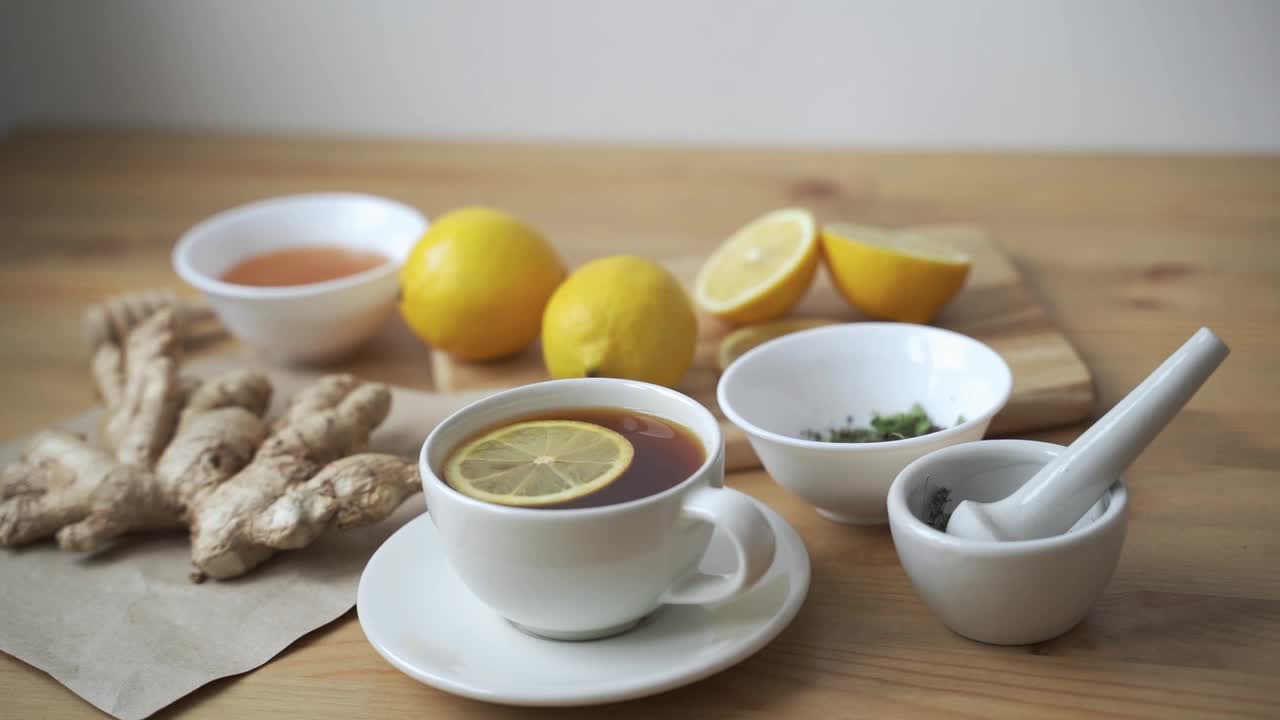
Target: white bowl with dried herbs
835, 413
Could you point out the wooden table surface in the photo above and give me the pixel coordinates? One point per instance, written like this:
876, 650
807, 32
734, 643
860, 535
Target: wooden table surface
1130, 253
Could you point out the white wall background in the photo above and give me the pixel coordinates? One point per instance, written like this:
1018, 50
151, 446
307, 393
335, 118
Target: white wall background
1133, 74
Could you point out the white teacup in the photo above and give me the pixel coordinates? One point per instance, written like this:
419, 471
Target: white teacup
577, 574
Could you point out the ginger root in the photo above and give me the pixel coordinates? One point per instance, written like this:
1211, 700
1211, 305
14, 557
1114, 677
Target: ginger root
109, 321
200, 455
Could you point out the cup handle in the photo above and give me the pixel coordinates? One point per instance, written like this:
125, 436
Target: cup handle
750, 534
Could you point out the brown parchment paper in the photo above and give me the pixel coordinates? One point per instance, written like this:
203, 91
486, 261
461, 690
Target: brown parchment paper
126, 629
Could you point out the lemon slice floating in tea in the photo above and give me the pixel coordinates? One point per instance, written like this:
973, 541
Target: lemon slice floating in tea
539, 462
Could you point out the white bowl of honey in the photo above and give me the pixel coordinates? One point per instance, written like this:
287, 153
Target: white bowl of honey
305, 279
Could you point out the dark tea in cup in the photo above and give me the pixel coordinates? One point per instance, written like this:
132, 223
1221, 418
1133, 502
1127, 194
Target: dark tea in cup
574, 458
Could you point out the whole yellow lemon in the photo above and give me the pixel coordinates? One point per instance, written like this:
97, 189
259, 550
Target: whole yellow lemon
476, 283
623, 317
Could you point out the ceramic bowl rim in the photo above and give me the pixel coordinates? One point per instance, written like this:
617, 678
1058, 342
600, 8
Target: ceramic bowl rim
726, 405
1116, 512
219, 221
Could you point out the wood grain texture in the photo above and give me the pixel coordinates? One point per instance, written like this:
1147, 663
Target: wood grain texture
1129, 254
1051, 385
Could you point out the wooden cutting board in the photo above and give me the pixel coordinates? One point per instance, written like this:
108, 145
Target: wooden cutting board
1051, 384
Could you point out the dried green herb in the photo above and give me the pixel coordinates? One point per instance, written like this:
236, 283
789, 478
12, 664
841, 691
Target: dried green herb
912, 423
938, 517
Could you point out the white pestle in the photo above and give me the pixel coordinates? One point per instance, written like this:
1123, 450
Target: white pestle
1064, 489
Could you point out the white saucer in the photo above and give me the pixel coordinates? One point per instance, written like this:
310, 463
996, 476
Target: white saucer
420, 617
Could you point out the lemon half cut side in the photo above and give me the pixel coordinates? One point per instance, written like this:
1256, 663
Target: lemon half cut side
893, 274
762, 270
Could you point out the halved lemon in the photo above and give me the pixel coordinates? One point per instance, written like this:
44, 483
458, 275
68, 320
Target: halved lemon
743, 339
893, 274
762, 270
539, 462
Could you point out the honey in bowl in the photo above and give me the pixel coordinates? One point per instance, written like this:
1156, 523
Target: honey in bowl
574, 445
301, 265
